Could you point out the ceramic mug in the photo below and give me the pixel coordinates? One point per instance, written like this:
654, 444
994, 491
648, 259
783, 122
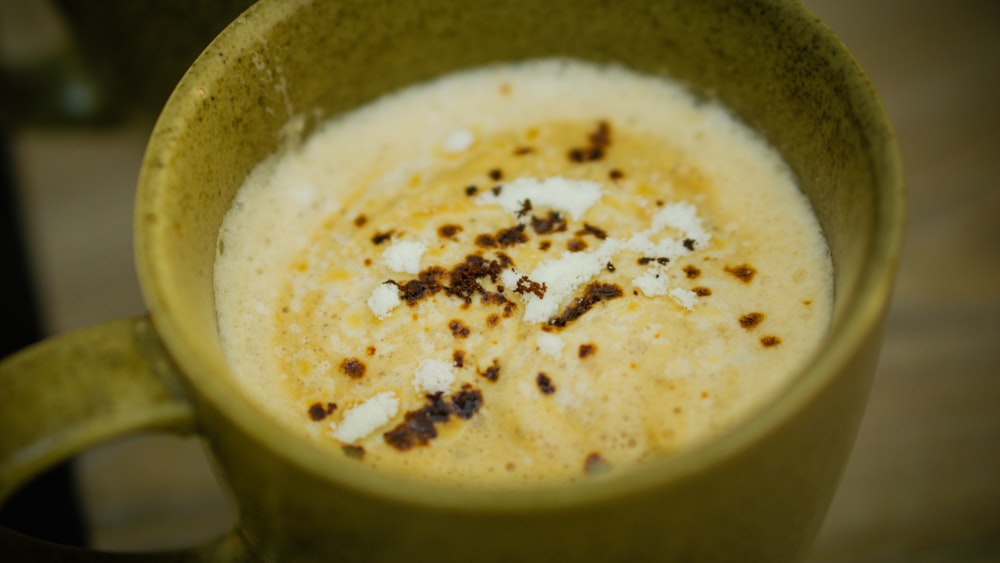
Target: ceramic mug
758, 492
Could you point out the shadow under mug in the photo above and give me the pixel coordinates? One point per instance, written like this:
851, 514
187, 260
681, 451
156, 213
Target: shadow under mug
756, 493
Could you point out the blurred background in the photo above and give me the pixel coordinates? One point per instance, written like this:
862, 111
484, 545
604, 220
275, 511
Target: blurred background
923, 483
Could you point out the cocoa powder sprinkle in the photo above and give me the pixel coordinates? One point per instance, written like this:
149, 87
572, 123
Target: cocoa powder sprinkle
458, 329
353, 367
551, 223
589, 229
492, 372
379, 238
317, 412
594, 293
449, 231
769, 341
743, 272
691, 271
545, 383
750, 321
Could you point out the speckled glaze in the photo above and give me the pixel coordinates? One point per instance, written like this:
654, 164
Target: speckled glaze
757, 493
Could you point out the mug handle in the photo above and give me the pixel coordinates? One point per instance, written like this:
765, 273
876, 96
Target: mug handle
74, 391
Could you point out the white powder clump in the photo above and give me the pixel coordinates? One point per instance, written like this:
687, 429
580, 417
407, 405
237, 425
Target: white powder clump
433, 376
652, 283
562, 276
550, 345
404, 256
683, 216
458, 141
684, 298
383, 300
572, 196
366, 417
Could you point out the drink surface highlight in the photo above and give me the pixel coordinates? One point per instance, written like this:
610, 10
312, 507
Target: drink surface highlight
527, 273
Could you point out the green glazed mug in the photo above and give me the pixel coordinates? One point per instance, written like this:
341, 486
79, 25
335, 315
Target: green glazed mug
756, 493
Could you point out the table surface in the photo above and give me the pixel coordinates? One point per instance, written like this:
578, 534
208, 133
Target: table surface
923, 483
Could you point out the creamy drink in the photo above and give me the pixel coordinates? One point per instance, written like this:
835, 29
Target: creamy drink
526, 273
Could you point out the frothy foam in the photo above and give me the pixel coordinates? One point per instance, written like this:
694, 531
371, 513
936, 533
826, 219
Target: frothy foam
519, 273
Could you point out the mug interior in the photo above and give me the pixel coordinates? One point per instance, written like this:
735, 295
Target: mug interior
771, 63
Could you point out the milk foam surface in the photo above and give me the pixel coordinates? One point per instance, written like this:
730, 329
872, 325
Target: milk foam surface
665, 279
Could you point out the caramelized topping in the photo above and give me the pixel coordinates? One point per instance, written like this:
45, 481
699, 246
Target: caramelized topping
593, 294
743, 272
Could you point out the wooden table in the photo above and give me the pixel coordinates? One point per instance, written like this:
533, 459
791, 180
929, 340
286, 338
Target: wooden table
924, 481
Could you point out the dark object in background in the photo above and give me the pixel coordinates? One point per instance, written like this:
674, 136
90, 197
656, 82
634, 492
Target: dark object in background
125, 59
139, 50
46, 508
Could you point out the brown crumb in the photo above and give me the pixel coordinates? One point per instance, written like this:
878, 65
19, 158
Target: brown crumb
458, 329
379, 238
512, 236
545, 383
545, 245
750, 321
598, 142
743, 272
587, 350
594, 293
471, 190
317, 411
496, 174
353, 367
428, 283
702, 291
525, 208
449, 231
770, 340
691, 271
466, 402
370, 350
360, 221
491, 373
554, 222
589, 229
689, 244
492, 320
576, 244
486, 241
368, 261
616, 174
526, 285
458, 358
609, 267
417, 428
523, 150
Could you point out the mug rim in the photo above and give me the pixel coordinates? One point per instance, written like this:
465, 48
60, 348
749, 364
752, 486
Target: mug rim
862, 316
